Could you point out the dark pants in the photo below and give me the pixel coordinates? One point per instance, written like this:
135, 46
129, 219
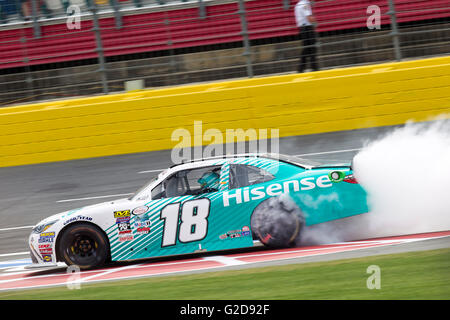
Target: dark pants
308, 36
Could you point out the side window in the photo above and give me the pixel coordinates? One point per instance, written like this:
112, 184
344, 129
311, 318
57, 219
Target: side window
204, 180
189, 182
242, 175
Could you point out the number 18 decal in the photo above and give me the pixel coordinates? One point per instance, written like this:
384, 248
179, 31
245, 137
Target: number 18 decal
193, 225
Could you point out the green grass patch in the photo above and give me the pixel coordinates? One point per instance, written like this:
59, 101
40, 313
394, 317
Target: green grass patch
414, 275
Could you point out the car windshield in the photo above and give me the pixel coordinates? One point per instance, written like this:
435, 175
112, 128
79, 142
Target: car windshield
134, 195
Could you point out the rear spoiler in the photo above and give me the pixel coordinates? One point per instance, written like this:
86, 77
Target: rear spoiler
333, 166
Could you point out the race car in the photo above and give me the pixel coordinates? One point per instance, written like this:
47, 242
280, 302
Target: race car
209, 204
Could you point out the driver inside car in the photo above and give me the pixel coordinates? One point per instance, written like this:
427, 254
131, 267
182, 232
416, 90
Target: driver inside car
209, 182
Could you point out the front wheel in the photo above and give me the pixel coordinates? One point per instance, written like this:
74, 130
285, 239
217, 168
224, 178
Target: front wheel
83, 245
277, 222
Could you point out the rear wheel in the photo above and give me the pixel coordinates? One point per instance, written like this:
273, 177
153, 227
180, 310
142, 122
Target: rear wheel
277, 222
83, 245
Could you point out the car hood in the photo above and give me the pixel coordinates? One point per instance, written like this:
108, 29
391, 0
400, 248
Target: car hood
88, 210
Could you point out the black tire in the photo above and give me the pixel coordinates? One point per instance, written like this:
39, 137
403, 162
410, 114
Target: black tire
277, 222
84, 245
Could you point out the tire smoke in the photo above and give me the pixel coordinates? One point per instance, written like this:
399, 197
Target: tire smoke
407, 177
406, 174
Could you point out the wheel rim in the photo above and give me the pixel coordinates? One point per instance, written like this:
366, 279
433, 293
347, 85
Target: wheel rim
83, 249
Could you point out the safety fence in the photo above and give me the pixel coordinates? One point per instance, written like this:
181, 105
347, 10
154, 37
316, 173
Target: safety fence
54, 51
296, 104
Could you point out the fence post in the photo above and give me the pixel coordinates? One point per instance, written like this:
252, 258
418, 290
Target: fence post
201, 9
394, 30
29, 77
34, 13
247, 53
117, 13
99, 48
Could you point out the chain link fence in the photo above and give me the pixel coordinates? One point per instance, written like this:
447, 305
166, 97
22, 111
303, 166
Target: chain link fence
63, 48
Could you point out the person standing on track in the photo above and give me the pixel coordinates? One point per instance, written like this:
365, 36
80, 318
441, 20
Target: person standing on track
305, 22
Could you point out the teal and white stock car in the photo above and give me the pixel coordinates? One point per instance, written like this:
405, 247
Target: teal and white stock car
203, 205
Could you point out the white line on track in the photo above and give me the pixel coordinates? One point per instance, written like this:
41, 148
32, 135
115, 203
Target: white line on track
96, 197
13, 271
16, 228
109, 271
14, 254
327, 152
155, 170
228, 261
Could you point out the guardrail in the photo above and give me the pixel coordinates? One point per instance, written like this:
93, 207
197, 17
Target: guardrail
297, 104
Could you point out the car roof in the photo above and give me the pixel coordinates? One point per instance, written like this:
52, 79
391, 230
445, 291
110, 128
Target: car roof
308, 164
202, 161
219, 160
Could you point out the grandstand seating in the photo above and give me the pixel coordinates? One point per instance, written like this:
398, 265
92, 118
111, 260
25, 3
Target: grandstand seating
183, 28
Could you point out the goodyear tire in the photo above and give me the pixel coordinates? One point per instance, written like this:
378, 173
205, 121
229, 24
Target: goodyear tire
84, 245
277, 222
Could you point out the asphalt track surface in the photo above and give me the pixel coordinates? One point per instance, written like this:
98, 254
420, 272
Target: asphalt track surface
30, 193
23, 278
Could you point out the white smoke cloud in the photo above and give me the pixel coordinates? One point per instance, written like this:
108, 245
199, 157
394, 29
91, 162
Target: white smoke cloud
407, 176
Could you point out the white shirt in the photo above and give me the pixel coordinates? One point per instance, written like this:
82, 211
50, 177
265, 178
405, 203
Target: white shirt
302, 11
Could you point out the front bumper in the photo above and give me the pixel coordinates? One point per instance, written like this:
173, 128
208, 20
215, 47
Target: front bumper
42, 248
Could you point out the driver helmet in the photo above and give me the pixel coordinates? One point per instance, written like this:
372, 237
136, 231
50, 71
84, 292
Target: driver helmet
209, 180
